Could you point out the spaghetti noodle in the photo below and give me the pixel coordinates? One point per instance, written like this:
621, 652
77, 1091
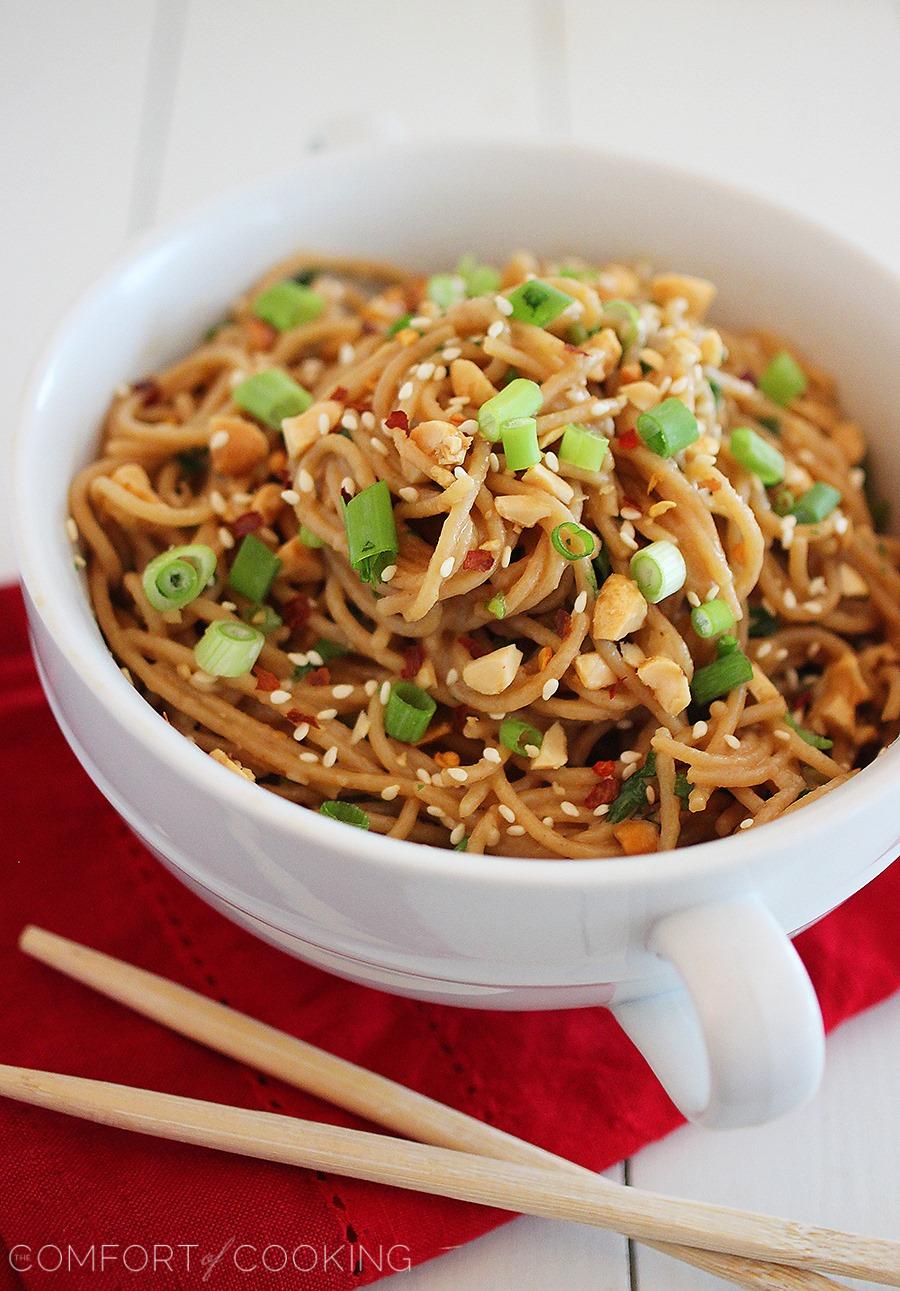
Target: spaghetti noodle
580, 617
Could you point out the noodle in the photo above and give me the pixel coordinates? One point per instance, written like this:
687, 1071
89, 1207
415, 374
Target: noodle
815, 606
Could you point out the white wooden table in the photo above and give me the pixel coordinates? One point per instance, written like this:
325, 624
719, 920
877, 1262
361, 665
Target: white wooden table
120, 115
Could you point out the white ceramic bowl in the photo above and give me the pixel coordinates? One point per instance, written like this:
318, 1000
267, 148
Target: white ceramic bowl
688, 948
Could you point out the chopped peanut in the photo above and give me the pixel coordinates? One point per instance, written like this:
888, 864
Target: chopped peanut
469, 381
244, 447
660, 508
698, 292
667, 681
231, 764
267, 500
523, 509
642, 394
493, 672
301, 432
554, 750
843, 689
135, 480
594, 672
853, 584
550, 482
712, 350
636, 837
441, 441
620, 609
607, 348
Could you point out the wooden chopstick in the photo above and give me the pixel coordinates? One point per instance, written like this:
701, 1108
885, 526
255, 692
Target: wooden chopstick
382, 1158
347, 1085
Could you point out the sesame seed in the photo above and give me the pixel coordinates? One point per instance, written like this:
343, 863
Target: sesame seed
551, 686
469, 427
390, 793
568, 807
423, 775
551, 461
295, 656
367, 420
349, 420
732, 741
452, 677
531, 750
782, 735
629, 513
348, 486
548, 821
360, 728
494, 462
309, 757
425, 371
226, 538
290, 496
496, 328
434, 810
496, 717
217, 502
459, 774
72, 529
790, 599
451, 353
388, 573
602, 809
505, 306
764, 649
517, 830
300, 732
408, 493
580, 603
279, 696
313, 657
370, 687
305, 482
219, 439
650, 794
491, 755
324, 423
628, 772
327, 714
699, 730
329, 757
713, 592
385, 693
813, 607
406, 390
840, 522
629, 756
230, 606
507, 812
342, 692
458, 833
447, 567
745, 824
505, 556
461, 473
378, 445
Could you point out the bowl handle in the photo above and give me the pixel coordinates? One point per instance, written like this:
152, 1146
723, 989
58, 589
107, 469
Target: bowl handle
741, 1041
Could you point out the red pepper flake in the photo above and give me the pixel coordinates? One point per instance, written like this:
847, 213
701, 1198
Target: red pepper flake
605, 792
475, 648
413, 658
747, 375
298, 718
149, 389
296, 612
397, 420
478, 559
319, 676
260, 334
563, 623
246, 523
340, 394
604, 768
265, 680
628, 439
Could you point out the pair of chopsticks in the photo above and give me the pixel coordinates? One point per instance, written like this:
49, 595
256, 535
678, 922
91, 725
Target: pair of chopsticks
454, 1155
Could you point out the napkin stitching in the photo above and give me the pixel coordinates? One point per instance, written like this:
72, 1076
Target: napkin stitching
187, 951
472, 1088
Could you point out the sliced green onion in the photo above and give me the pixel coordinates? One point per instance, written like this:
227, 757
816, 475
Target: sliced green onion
573, 541
602, 565
271, 396
326, 650
586, 274
783, 379
760, 622
716, 390
625, 320
288, 304
712, 618
262, 617
590, 576
668, 428
446, 289
399, 324
633, 794
371, 531
309, 538
479, 279
577, 334
518, 736
408, 713
772, 424
520, 443
659, 570
346, 812
809, 737
726, 645
683, 786
463, 844
816, 504
228, 649
497, 606
757, 455
583, 448
521, 398
253, 570
783, 502
721, 676
178, 576
537, 302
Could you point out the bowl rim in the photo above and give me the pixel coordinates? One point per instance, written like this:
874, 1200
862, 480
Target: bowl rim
88, 654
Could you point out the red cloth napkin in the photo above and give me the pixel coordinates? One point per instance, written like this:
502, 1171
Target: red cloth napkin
70, 1191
